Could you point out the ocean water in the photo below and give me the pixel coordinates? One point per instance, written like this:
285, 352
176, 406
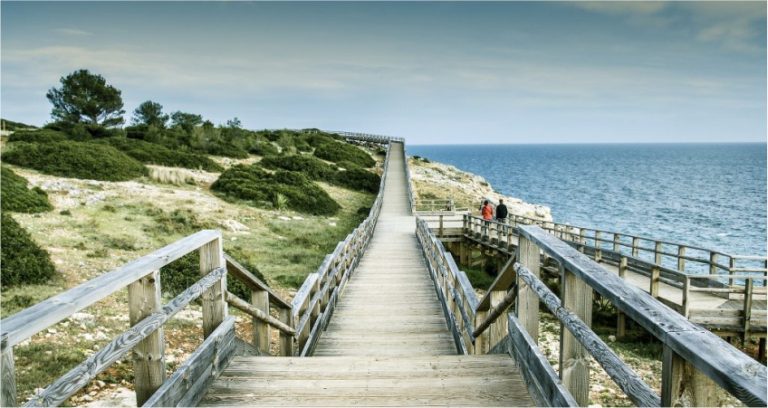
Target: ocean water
707, 195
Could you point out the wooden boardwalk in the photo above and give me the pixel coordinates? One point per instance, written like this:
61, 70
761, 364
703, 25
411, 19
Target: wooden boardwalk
387, 342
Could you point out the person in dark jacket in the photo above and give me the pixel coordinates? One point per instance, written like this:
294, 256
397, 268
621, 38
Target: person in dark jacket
501, 211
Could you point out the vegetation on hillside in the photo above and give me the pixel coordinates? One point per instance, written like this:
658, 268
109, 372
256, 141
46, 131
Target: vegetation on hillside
337, 152
76, 159
353, 177
38, 136
281, 189
16, 196
11, 125
151, 153
24, 262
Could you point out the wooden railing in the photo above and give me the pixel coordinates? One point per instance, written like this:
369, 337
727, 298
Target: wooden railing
694, 358
435, 205
147, 315
667, 257
314, 303
366, 137
263, 302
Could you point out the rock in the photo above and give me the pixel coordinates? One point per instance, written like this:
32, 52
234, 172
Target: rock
234, 226
83, 317
284, 218
100, 383
297, 218
87, 398
332, 224
611, 338
100, 336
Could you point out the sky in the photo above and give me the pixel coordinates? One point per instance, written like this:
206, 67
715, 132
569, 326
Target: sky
434, 73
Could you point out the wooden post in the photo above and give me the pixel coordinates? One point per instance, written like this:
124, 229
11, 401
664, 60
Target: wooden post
574, 359
621, 318
499, 328
149, 355
214, 299
672, 367
635, 246
731, 265
598, 250
702, 388
655, 278
761, 349
481, 341
748, 285
286, 340
260, 300
8, 381
657, 253
582, 239
616, 240
440, 231
527, 301
686, 295
680, 258
712, 262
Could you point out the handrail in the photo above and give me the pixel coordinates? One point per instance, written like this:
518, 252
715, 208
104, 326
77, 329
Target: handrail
246, 307
366, 137
146, 316
579, 236
244, 275
684, 342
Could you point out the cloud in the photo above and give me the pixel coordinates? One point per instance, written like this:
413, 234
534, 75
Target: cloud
621, 7
72, 32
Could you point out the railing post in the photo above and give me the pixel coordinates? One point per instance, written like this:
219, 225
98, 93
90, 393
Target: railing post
616, 240
582, 239
481, 341
686, 295
527, 300
680, 258
731, 266
260, 300
149, 355
574, 358
657, 253
286, 340
655, 279
621, 318
635, 246
712, 262
214, 299
8, 381
672, 368
598, 249
440, 230
748, 288
499, 328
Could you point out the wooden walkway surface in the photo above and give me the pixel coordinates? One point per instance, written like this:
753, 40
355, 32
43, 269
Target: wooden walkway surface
387, 342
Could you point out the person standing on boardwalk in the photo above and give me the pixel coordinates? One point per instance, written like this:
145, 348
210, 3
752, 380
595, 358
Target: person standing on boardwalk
486, 211
501, 212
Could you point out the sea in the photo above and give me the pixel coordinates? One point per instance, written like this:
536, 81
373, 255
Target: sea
706, 195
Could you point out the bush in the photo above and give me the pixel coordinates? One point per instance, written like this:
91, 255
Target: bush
337, 152
309, 166
263, 189
225, 149
152, 153
264, 149
358, 179
354, 177
24, 262
11, 125
182, 273
77, 160
15, 196
38, 136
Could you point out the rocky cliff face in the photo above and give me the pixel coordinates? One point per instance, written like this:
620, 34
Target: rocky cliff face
437, 181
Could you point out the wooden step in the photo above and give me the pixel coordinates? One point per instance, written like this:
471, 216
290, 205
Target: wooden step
490, 380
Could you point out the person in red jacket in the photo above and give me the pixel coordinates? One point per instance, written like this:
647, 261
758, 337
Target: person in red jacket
486, 211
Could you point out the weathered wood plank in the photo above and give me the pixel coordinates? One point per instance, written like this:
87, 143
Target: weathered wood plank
574, 359
32, 320
244, 275
739, 374
623, 375
260, 327
7, 379
216, 351
543, 383
214, 300
527, 309
258, 314
70, 383
149, 355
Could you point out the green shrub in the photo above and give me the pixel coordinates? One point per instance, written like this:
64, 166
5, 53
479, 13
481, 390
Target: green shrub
77, 160
182, 273
309, 166
38, 136
11, 125
264, 149
24, 262
179, 221
225, 149
358, 179
153, 153
338, 151
253, 184
347, 165
15, 196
